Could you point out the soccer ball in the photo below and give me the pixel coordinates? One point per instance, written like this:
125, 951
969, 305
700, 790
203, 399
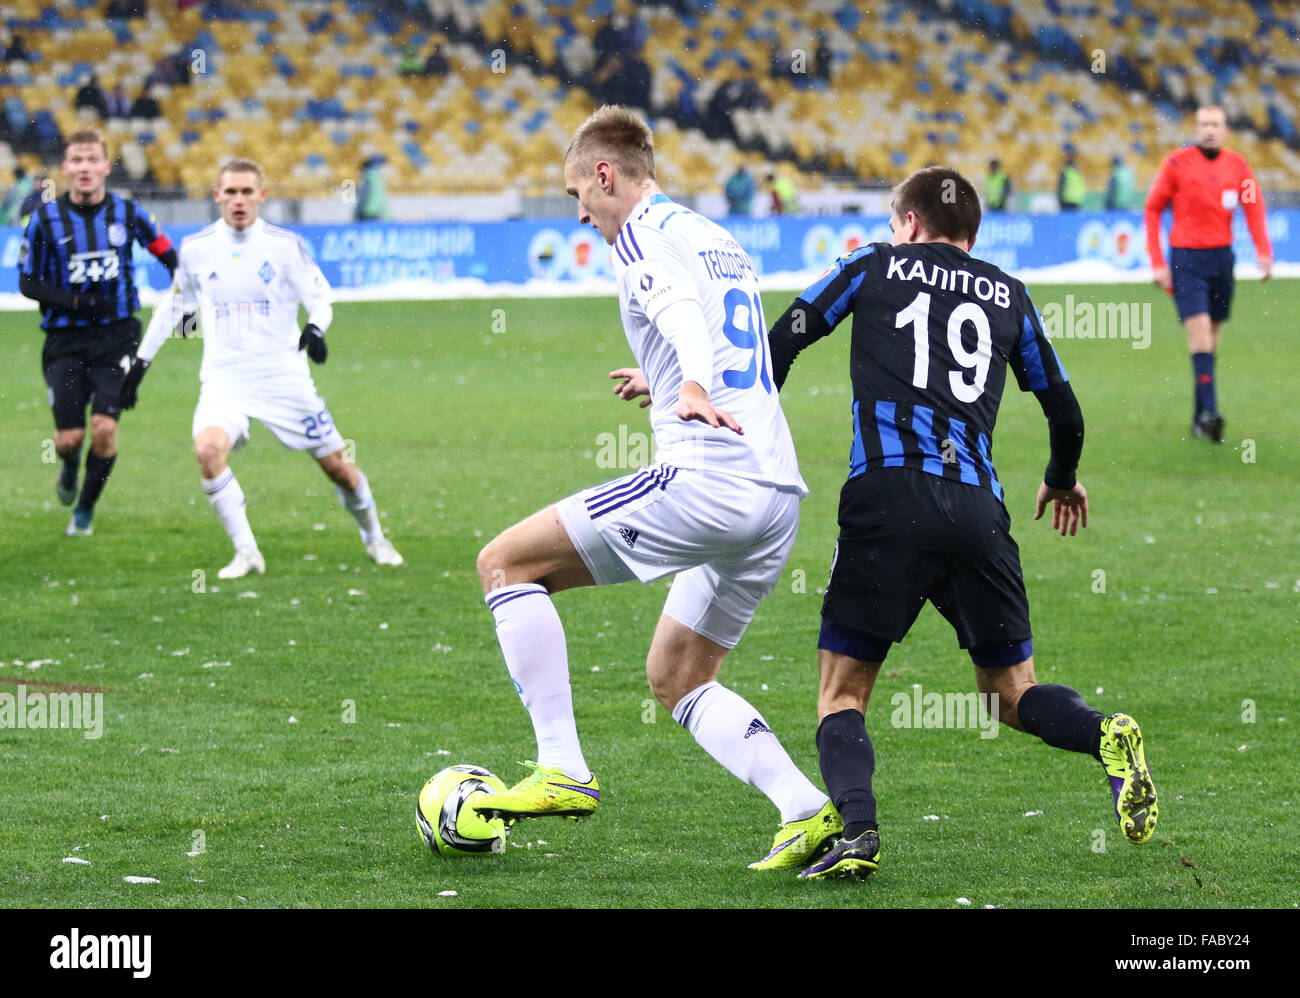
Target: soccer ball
447, 823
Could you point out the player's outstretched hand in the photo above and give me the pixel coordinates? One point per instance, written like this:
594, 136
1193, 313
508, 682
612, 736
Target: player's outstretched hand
634, 384
1163, 278
313, 341
131, 384
693, 404
1265, 267
1069, 507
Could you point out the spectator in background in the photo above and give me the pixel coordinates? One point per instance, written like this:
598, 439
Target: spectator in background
785, 195
127, 9
119, 104
90, 95
733, 94
1070, 188
34, 199
688, 112
172, 69
740, 191
146, 105
16, 51
637, 81
372, 199
410, 64
778, 63
823, 58
610, 42
1119, 189
437, 64
997, 187
11, 206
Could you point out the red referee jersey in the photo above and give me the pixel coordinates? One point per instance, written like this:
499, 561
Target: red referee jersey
1204, 192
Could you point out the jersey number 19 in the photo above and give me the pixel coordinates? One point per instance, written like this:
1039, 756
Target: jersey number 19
977, 361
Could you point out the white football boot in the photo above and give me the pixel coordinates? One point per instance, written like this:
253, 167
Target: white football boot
246, 561
383, 552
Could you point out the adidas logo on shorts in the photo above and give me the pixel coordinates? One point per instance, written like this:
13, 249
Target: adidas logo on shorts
756, 726
630, 535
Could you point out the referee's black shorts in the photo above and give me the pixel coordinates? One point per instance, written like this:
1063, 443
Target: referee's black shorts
1202, 281
907, 536
87, 365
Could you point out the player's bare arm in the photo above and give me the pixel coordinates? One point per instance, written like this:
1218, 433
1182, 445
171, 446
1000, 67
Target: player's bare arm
632, 386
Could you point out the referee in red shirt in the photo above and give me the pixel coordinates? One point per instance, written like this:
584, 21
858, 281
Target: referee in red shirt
1205, 183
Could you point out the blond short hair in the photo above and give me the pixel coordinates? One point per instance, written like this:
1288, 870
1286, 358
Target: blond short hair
85, 137
616, 134
241, 165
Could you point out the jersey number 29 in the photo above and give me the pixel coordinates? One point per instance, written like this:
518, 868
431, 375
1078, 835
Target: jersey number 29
918, 315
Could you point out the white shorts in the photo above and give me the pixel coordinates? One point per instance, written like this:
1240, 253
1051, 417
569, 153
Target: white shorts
296, 415
728, 537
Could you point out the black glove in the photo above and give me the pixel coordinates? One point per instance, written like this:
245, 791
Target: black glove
94, 306
170, 260
131, 384
313, 341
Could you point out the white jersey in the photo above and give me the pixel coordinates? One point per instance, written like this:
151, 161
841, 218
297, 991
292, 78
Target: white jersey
247, 286
666, 255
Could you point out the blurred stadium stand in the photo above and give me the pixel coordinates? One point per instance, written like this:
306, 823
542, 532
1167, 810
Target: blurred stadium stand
314, 88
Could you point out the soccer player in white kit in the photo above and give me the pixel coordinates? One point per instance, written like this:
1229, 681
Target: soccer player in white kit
720, 508
248, 278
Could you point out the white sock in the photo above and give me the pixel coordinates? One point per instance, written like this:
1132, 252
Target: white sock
532, 640
227, 499
361, 504
734, 733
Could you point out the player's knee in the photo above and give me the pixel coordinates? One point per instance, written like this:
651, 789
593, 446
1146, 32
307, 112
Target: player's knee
103, 436
492, 563
662, 686
211, 457
68, 442
340, 472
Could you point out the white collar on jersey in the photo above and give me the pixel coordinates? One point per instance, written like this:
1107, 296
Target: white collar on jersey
239, 235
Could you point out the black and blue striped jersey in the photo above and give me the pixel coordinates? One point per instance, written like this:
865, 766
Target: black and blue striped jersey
86, 250
934, 331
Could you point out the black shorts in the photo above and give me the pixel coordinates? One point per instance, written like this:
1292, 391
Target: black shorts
907, 536
88, 367
1203, 281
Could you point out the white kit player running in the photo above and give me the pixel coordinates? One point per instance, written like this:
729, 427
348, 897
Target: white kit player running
720, 506
248, 278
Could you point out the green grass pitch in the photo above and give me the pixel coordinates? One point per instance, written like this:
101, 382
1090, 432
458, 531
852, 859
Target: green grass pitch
264, 741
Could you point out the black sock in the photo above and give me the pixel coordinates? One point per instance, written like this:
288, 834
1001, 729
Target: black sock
97, 471
847, 762
1203, 372
68, 473
1058, 716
